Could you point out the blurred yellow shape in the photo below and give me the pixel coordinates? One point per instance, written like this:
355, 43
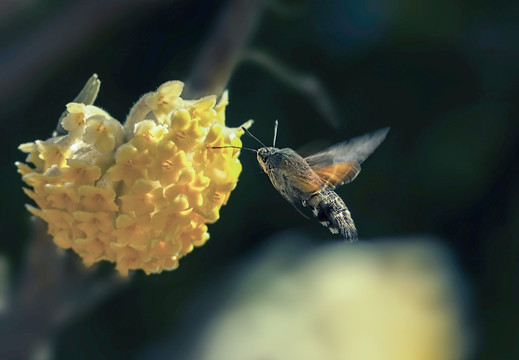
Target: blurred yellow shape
379, 301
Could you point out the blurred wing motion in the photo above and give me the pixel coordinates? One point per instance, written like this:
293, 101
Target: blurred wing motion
337, 174
340, 163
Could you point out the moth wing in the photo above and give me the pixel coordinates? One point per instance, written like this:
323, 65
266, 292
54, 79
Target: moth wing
306, 185
338, 174
340, 163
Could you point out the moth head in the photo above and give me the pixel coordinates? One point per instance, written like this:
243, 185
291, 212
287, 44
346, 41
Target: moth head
267, 154
264, 156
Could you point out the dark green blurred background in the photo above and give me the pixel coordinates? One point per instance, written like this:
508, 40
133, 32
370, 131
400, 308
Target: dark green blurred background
443, 74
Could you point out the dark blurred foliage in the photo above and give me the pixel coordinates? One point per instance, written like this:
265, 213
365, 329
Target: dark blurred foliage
443, 74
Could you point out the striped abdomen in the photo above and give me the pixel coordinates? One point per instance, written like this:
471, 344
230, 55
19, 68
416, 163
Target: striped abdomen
331, 212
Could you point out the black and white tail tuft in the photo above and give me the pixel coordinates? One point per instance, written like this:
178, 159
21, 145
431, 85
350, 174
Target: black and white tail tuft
331, 212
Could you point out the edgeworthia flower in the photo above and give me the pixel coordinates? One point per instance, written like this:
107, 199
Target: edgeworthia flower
139, 194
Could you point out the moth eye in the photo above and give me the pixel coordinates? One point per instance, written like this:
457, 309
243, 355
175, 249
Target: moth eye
262, 156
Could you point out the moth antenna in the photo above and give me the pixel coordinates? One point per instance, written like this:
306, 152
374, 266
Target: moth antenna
229, 146
275, 133
254, 137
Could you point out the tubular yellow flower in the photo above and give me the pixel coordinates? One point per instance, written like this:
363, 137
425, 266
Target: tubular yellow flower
133, 231
93, 222
139, 194
104, 133
74, 122
63, 197
96, 198
165, 99
168, 163
142, 198
80, 173
130, 165
52, 154
34, 154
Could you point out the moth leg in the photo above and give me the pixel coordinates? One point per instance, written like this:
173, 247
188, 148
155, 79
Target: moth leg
299, 211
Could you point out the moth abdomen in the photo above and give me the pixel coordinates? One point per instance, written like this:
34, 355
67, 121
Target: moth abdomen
331, 212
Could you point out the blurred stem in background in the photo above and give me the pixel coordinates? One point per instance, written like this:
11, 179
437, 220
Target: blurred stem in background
223, 49
28, 53
307, 84
53, 288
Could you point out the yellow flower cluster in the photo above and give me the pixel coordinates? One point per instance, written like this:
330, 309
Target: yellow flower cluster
139, 195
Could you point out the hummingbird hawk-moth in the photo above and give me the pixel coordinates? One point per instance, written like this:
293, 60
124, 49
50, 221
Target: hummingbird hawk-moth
310, 181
